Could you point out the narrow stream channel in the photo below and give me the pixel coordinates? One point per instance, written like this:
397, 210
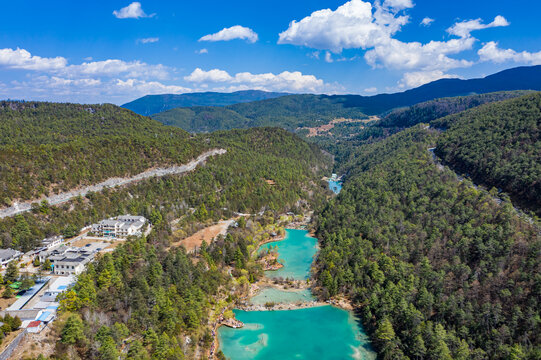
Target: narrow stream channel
319, 332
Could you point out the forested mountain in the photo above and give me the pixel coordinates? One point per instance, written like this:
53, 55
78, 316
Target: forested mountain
296, 111
152, 104
427, 111
439, 269
498, 145
288, 112
47, 147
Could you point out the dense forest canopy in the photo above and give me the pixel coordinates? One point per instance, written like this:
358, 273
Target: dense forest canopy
440, 270
47, 148
431, 110
498, 145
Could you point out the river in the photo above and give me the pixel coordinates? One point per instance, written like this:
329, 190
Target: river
321, 332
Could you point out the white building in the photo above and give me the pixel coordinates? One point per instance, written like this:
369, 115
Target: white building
67, 260
8, 255
120, 227
52, 242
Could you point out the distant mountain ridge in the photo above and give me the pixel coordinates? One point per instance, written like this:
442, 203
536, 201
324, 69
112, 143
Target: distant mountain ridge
307, 110
153, 104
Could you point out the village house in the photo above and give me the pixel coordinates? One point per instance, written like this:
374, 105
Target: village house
8, 255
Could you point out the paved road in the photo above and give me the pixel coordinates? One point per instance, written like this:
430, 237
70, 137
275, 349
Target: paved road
111, 183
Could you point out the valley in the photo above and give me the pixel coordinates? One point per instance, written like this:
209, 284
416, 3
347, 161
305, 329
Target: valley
254, 252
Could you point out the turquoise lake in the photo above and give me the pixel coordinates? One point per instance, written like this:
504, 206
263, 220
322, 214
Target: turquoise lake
297, 251
323, 332
335, 186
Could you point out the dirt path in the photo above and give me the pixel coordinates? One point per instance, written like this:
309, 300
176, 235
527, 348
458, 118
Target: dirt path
207, 234
111, 183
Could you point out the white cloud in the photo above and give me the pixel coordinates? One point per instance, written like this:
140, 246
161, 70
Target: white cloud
427, 21
132, 11
414, 55
418, 78
491, 52
115, 67
87, 90
371, 90
398, 4
328, 57
234, 32
22, 59
352, 25
148, 87
214, 75
359, 24
286, 81
464, 28
202, 51
149, 40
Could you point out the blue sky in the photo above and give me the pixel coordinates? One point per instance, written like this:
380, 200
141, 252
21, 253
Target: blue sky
116, 51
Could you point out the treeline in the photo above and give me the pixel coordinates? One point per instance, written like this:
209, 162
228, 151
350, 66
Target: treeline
47, 148
233, 182
438, 269
498, 145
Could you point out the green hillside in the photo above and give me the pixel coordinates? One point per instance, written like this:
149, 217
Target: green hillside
498, 145
431, 110
152, 104
47, 148
439, 269
288, 112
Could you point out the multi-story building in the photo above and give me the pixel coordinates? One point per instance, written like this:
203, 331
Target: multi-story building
120, 227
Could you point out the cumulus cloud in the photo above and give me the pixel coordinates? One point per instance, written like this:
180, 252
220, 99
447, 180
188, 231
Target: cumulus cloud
87, 90
359, 24
427, 21
231, 33
491, 52
214, 75
352, 25
22, 59
464, 28
418, 78
132, 11
328, 57
149, 40
413, 55
202, 51
286, 81
116, 67
398, 4
371, 90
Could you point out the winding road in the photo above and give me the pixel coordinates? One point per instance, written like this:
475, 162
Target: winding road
18, 208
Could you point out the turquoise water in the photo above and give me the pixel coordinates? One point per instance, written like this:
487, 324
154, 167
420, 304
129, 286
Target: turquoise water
323, 333
281, 296
335, 186
297, 251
